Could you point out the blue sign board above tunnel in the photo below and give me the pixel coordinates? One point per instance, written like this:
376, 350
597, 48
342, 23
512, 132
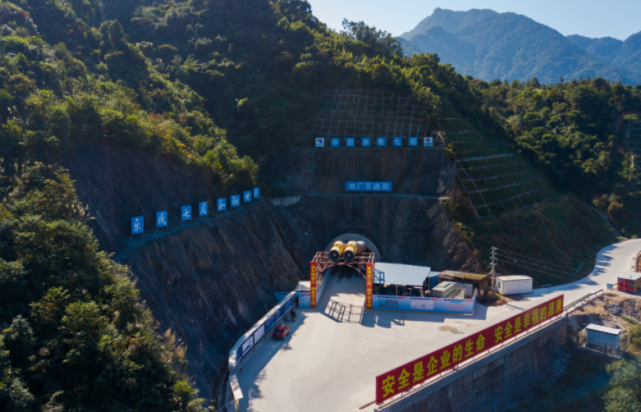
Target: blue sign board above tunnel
368, 186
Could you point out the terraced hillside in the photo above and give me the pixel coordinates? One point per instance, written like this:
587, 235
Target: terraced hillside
495, 179
360, 113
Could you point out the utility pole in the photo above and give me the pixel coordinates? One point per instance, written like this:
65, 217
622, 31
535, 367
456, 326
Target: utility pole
493, 273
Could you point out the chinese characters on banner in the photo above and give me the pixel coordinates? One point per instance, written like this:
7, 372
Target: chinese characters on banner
312, 284
161, 219
235, 201
369, 286
398, 141
137, 225
247, 196
185, 213
418, 371
368, 186
349, 142
257, 193
203, 208
336, 142
365, 142
413, 141
222, 205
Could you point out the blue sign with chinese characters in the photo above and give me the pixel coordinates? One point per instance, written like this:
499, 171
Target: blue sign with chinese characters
161, 219
365, 142
381, 141
413, 142
398, 141
247, 196
235, 201
368, 186
257, 193
222, 205
336, 142
203, 208
350, 142
137, 225
185, 213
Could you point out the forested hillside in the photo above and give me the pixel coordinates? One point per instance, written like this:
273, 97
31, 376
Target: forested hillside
573, 132
215, 86
186, 81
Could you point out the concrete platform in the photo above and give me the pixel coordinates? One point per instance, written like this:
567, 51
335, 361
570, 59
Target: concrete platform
331, 359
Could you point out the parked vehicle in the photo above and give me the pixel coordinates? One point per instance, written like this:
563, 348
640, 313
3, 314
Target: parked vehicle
281, 332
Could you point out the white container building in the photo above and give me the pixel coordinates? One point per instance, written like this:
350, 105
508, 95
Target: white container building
602, 337
513, 284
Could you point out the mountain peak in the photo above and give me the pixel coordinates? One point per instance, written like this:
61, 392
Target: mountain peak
450, 20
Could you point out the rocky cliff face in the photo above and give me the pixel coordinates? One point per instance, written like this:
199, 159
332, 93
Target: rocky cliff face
210, 280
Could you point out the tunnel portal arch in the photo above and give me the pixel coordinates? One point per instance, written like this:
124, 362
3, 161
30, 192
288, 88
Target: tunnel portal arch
346, 237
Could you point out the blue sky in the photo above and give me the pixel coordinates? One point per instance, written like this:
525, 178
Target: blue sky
592, 18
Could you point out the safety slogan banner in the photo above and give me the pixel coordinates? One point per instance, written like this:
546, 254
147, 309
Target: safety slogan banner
312, 284
418, 371
369, 286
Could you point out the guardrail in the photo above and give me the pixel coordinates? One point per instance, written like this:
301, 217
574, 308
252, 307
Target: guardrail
582, 301
248, 342
566, 311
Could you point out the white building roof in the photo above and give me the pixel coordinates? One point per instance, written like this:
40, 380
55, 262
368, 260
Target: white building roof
603, 329
303, 286
513, 277
631, 276
396, 274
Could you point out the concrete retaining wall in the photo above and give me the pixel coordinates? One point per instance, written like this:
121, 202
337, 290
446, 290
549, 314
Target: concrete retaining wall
494, 382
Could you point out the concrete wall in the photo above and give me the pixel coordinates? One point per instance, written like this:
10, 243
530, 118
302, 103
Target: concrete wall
493, 383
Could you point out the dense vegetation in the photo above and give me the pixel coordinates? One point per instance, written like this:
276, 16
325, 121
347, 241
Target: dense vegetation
194, 80
491, 45
166, 78
568, 131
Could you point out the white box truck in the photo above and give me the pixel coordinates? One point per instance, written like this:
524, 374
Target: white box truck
513, 284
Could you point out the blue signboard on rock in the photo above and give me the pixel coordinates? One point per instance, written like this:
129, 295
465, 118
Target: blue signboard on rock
381, 141
203, 208
137, 225
398, 141
368, 186
365, 142
161, 219
350, 142
235, 201
257, 193
336, 142
413, 142
247, 196
185, 213
222, 205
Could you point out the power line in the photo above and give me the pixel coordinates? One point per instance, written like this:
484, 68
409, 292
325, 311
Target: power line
531, 258
534, 264
539, 271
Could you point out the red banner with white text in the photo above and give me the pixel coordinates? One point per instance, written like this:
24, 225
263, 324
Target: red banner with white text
418, 371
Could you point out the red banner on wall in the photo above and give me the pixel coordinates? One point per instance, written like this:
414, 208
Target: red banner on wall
418, 371
312, 284
369, 286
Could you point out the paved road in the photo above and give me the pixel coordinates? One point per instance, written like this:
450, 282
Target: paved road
330, 361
